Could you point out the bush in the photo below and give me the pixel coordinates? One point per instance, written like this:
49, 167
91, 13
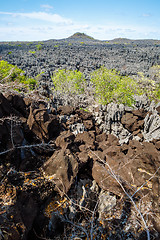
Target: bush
32, 83
150, 86
39, 47
68, 81
33, 52
110, 86
10, 70
11, 73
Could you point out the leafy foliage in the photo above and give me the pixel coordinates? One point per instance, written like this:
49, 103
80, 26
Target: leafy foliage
68, 81
9, 72
150, 86
39, 47
33, 52
110, 86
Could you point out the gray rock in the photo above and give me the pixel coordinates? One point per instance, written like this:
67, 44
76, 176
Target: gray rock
64, 118
114, 112
142, 101
121, 133
137, 138
106, 203
151, 127
77, 128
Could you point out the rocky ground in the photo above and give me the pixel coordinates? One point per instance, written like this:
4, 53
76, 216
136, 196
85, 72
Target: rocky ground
84, 54
71, 172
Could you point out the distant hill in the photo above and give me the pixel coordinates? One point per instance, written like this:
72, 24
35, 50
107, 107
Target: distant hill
121, 40
78, 35
131, 41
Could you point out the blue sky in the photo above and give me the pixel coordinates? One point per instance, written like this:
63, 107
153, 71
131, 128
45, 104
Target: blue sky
102, 19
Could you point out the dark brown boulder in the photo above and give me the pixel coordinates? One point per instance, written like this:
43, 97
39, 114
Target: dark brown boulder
62, 167
28, 208
84, 115
133, 144
113, 151
73, 119
102, 146
45, 126
157, 145
65, 139
4, 134
158, 109
135, 133
5, 107
137, 170
86, 138
140, 113
113, 140
101, 137
88, 124
83, 157
65, 110
105, 181
130, 172
130, 122
18, 103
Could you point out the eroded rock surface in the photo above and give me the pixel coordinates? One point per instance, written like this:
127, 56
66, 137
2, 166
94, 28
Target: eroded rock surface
62, 167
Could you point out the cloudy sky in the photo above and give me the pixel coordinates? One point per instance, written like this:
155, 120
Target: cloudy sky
102, 19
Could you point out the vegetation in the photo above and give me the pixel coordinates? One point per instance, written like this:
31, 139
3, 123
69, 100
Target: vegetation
150, 86
39, 47
29, 43
107, 85
11, 73
110, 86
33, 52
68, 81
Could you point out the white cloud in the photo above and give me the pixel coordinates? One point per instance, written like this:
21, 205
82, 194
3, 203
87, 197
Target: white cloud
54, 18
146, 15
46, 6
54, 26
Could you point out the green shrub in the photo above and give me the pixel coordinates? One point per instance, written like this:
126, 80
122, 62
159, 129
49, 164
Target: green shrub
157, 91
33, 52
10, 70
68, 81
31, 83
110, 86
150, 86
11, 73
39, 47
